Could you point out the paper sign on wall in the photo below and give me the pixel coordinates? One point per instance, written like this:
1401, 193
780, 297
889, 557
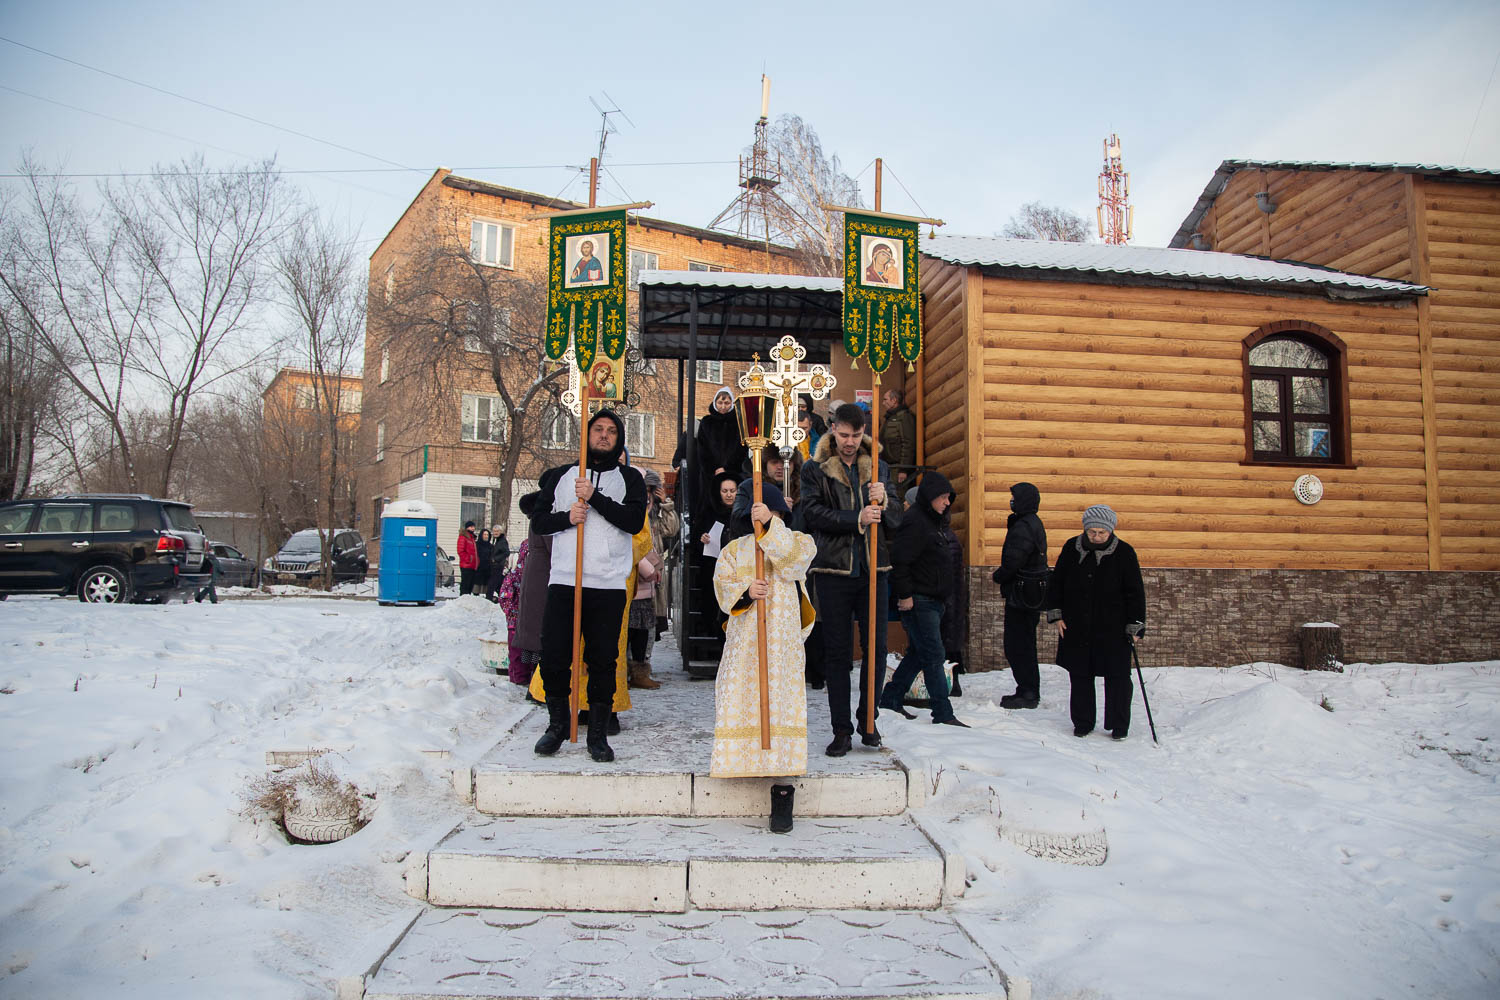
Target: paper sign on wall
416, 531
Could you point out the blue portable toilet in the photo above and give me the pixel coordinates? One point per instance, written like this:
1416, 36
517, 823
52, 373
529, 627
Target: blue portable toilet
408, 553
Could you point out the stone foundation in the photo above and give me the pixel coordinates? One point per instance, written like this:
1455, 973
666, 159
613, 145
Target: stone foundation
1222, 617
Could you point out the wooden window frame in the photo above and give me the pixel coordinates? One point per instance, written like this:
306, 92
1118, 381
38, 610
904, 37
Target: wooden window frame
1328, 343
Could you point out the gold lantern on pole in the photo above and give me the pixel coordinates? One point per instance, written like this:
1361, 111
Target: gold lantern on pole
755, 409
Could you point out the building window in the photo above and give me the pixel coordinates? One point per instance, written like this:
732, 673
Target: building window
711, 371
380, 441
482, 340
560, 430
492, 243
694, 265
1295, 406
640, 261
379, 511
471, 506
640, 435
483, 419
303, 397
390, 282
350, 400
385, 365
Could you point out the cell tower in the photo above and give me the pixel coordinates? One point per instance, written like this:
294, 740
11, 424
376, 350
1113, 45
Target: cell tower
758, 212
1116, 215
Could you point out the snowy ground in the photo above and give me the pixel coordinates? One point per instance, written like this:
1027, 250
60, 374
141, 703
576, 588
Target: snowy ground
1267, 847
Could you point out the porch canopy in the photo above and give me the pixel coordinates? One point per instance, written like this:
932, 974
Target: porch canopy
692, 316
730, 316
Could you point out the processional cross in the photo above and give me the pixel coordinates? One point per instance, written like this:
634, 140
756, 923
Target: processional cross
788, 382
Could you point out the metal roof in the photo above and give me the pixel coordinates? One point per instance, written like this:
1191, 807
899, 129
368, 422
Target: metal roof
1229, 168
1106, 262
738, 314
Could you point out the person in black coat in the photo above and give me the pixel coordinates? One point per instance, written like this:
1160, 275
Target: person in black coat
1098, 601
1022, 576
921, 579
499, 563
486, 550
720, 451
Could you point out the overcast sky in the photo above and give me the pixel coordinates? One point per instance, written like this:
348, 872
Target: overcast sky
976, 108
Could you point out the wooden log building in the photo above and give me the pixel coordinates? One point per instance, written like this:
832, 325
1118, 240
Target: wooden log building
1191, 387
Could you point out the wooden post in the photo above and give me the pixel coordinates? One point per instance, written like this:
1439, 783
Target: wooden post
583, 471
1322, 647
760, 607
871, 689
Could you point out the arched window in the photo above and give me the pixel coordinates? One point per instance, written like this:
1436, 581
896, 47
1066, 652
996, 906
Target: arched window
1295, 405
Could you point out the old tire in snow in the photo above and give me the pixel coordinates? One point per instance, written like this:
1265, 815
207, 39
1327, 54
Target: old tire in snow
320, 822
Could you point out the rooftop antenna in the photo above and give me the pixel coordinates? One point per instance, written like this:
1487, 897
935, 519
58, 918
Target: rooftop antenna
607, 127
1116, 214
758, 212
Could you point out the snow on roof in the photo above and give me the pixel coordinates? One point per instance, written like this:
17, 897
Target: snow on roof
743, 279
1157, 262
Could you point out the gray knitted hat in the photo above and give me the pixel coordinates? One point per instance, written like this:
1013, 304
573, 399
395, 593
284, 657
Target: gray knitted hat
1100, 516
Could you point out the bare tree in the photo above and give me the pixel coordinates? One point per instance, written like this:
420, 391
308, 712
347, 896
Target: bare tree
453, 324
144, 301
810, 179
30, 383
320, 278
1036, 221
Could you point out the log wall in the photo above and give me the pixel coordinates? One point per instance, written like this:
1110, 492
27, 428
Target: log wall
945, 376
1133, 397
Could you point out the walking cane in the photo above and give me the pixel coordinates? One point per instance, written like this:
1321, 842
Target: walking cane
1137, 657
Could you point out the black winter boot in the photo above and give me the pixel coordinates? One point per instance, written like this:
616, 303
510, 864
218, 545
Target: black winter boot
557, 727
781, 808
598, 726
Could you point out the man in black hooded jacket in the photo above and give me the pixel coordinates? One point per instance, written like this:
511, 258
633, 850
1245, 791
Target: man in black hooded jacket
921, 579
1022, 576
609, 504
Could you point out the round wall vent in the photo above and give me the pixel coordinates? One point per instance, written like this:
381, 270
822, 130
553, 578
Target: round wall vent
1308, 489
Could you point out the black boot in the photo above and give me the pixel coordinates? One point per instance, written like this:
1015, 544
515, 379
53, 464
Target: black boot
598, 726
781, 808
557, 727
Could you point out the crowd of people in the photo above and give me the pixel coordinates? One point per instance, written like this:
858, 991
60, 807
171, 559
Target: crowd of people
811, 530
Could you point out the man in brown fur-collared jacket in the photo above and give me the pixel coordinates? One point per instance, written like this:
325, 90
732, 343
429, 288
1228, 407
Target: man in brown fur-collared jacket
838, 506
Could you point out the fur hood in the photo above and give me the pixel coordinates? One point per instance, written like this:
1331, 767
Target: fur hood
827, 457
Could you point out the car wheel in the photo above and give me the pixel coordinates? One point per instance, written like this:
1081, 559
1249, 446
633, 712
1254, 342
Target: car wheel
104, 585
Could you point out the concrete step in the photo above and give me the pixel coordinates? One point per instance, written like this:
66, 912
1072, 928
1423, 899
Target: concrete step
666, 864
517, 955
661, 769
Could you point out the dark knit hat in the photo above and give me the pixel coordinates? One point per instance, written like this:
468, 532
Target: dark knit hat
1100, 516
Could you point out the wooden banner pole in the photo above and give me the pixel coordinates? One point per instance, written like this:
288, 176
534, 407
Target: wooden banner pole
760, 608
583, 471
871, 691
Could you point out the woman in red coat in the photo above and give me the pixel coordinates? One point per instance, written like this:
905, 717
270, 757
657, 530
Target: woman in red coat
468, 559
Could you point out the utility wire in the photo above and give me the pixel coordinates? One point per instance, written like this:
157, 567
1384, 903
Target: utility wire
194, 100
357, 170
1482, 98
118, 121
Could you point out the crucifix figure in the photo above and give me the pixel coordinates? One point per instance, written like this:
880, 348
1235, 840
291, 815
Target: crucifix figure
788, 382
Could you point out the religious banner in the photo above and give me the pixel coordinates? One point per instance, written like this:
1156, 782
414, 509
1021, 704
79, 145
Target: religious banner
882, 305
586, 287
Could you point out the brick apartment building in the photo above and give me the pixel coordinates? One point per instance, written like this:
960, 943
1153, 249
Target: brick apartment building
438, 434
293, 421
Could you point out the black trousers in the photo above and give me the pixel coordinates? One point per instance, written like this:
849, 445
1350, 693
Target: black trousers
603, 611
842, 600
466, 580
1020, 648
1118, 692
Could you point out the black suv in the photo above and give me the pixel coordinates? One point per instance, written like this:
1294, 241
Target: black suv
107, 548
300, 559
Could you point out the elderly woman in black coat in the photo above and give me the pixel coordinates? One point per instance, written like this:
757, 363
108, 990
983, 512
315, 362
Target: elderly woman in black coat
1098, 601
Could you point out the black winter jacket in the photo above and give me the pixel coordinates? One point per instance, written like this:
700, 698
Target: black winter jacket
1097, 594
830, 508
1024, 553
920, 560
